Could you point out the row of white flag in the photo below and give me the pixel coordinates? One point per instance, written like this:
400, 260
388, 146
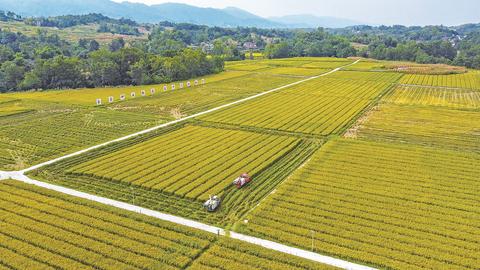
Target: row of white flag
143, 93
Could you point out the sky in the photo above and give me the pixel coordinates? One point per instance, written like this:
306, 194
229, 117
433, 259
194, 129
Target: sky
388, 12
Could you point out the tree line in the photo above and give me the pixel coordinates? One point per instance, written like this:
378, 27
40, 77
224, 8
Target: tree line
45, 61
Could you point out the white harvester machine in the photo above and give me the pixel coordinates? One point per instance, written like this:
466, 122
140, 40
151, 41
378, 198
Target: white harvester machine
212, 203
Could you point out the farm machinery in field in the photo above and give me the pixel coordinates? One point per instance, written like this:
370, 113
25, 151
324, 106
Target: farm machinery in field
212, 204
242, 180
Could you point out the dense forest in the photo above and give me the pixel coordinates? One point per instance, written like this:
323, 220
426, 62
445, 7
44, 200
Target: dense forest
175, 51
45, 61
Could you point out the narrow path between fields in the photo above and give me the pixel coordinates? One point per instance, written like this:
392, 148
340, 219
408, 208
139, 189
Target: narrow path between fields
20, 176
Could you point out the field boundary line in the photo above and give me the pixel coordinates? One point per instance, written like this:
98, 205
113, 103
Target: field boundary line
19, 176
182, 119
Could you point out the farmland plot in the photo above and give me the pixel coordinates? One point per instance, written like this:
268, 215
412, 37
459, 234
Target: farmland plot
47, 230
52, 130
372, 76
429, 96
321, 107
387, 205
469, 80
192, 162
429, 126
237, 255
289, 71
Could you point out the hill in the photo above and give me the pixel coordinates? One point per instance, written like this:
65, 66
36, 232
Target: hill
312, 21
142, 13
172, 12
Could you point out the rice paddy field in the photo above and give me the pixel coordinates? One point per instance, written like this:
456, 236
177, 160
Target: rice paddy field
322, 106
47, 230
366, 164
469, 80
174, 163
392, 206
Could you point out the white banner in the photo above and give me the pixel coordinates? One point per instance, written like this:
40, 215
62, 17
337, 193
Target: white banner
122, 97
152, 91
143, 93
203, 81
196, 82
189, 84
110, 99
173, 86
133, 94
165, 88
99, 101
181, 85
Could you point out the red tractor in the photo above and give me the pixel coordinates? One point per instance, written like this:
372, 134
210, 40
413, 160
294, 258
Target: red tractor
242, 180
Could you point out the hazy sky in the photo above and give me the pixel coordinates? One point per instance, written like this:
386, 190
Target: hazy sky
407, 12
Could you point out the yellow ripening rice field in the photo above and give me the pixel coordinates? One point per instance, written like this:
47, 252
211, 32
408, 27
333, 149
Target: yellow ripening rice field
42, 229
194, 162
429, 126
373, 76
321, 107
430, 96
469, 80
387, 205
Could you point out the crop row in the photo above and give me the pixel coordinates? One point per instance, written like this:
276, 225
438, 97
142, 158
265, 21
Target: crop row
321, 106
391, 206
469, 80
192, 162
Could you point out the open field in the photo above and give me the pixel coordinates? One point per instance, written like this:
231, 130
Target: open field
392, 206
429, 126
193, 162
322, 106
469, 80
50, 130
46, 230
370, 76
445, 97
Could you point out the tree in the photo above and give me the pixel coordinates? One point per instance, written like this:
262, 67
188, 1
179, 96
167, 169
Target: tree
11, 75
116, 44
6, 54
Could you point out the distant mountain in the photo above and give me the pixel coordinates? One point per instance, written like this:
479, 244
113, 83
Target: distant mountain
173, 12
311, 21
